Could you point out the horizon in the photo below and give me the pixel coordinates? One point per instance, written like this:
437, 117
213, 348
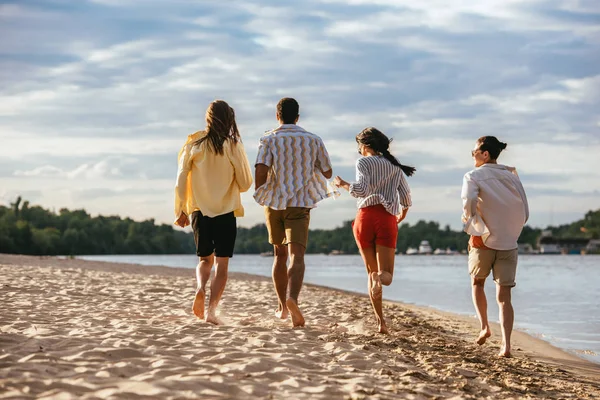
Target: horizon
97, 97
188, 229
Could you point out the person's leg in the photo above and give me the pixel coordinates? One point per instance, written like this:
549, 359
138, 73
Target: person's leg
480, 303
202, 274
224, 232
507, 317
280, 279
217, 286
295, 275
385, 263
369, 257
276, 229
505, 272
386, 235
296, 222
480, 266
204, 250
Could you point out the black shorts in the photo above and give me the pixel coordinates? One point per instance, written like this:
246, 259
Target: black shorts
214, 235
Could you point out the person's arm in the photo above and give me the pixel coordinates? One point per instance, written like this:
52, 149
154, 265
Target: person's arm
261, 172
241, 167
323, 161
402, 215
404, 193
264, 160
470, 196
405, 198
525, 202
473, 224
358, 188
183, 170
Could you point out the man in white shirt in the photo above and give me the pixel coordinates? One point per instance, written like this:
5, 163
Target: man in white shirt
495, 209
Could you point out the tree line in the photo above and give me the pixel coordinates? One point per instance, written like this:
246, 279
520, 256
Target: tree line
33, 230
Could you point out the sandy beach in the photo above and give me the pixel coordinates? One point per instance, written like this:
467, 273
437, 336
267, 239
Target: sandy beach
73, 329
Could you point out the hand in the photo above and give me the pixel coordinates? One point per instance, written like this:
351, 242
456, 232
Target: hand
338, 182
182, 221
400, 217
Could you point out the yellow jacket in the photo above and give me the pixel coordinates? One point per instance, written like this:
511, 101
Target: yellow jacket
211, 182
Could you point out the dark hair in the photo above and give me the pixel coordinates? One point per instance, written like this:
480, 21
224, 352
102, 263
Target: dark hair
492, 145
375, 139
220, 126
287, 110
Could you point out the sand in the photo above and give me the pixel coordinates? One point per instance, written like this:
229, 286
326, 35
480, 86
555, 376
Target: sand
73, 329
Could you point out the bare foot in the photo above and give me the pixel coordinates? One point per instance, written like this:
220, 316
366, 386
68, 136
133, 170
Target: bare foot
198, 306
504, 351
282, 313
383, 328
297, 318
376, 289
483, 335
211, 318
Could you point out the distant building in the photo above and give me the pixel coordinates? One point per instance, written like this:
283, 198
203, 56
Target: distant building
525, 248
593, 246
552, 245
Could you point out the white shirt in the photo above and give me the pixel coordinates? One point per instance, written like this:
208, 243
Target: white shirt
380, 182
494, 205
297, 160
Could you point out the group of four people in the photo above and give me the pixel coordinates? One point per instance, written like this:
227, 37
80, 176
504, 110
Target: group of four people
292, 170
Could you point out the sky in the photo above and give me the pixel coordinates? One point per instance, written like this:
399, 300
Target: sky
98, 96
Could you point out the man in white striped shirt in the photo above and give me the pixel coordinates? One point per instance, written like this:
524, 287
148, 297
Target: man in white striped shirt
292, 168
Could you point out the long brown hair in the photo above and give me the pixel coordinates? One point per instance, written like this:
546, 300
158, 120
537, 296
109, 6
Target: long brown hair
220, 126
375, 139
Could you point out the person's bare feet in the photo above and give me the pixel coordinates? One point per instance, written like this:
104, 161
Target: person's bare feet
211, 318
483, 336
198, 306
383, 328
504, 351
282, 312
297, 318
376, 289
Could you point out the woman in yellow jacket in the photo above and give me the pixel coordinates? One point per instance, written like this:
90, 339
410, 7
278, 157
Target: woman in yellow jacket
213, 171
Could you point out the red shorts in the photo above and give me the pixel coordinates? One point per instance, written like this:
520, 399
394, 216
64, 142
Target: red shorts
375, 226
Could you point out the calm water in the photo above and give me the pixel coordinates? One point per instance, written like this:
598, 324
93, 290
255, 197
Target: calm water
556, 297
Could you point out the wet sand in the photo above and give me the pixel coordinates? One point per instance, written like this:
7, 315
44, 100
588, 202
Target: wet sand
73, 329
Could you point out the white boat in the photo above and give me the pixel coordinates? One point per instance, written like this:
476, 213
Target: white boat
411, 251
451, 252
439, 252
425, 247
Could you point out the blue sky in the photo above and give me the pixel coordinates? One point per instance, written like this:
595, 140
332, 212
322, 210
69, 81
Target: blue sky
97, 97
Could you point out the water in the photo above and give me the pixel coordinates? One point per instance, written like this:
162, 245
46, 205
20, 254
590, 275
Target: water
556, 297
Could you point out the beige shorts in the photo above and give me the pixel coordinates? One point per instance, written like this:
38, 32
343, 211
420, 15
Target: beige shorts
502, 263
288, 226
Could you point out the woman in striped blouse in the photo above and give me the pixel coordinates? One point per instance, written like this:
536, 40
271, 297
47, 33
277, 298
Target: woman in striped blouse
383, 201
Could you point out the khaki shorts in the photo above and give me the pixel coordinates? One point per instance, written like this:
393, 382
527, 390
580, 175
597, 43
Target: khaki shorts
288, 226
502, 263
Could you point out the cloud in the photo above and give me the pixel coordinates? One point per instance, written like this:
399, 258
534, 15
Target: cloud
85, 96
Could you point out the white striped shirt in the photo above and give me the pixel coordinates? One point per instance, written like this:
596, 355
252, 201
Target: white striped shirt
297, 160
380, 182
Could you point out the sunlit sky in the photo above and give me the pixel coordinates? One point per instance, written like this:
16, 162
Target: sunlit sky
97, 97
